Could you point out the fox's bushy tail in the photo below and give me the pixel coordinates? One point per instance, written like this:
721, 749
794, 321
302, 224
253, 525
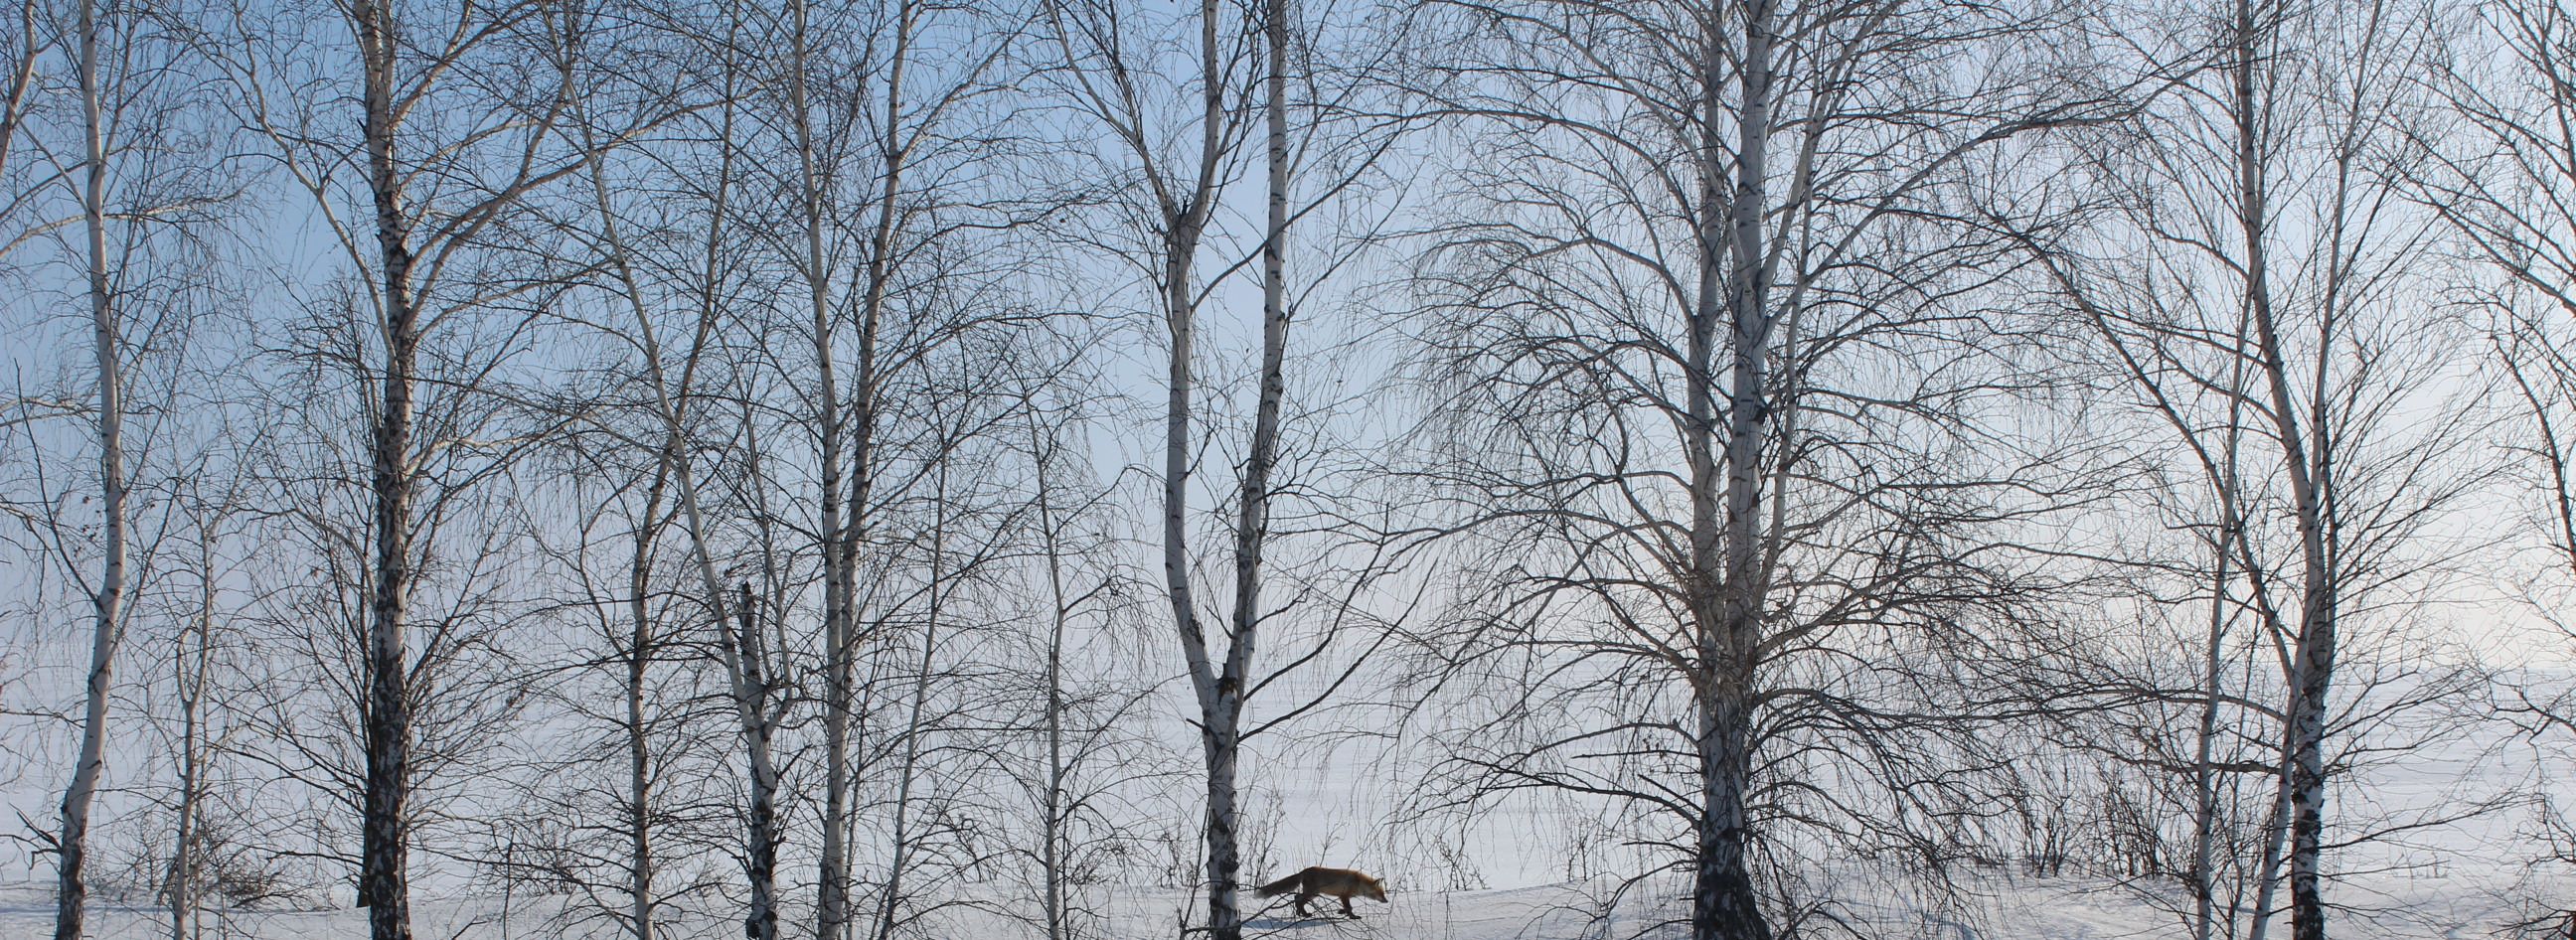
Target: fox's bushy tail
1281, 886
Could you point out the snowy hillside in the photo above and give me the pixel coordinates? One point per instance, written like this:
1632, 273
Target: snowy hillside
2477, 878
2468, 904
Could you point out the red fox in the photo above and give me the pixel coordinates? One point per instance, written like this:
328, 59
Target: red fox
1319, 881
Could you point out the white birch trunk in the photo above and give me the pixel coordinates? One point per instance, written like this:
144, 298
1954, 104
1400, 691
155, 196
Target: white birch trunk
641, 641
1726, 586
108, 597
744, 655
642, 902
738, 648
383, 878
831, 915
2311, 668
1218, 718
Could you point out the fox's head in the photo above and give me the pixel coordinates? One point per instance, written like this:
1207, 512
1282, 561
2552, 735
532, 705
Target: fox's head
1376, 888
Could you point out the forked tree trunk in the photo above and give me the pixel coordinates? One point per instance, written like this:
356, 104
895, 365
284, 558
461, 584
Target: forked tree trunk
738, 642
1184, 224
1726, 525
671, 471
2311, 669
1221, 687
1216, 741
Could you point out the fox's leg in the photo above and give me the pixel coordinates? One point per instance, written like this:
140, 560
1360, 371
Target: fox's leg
1346, 908
1303, 898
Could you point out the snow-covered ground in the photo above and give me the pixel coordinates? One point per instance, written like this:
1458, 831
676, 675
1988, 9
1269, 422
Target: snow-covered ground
2470, 881
2022, 909
1507, 875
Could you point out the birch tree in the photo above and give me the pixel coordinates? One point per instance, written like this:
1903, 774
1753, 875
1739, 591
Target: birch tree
870, 107
108, 592
655, 312
104, 143
1062, 507
2274, 324
694, 406
459, 117
1179, 162
2503, 184
206, 592
1708, 369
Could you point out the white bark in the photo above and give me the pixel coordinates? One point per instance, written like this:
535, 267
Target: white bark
383, 880
749, 690
840, 546
642, 638
1727, 583
1217, 688
847, 483
107, 599
14, 101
